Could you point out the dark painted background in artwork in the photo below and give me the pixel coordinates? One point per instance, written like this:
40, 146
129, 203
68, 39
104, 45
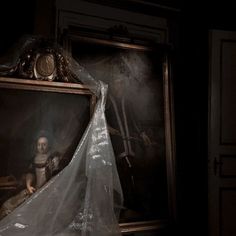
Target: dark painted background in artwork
134, 77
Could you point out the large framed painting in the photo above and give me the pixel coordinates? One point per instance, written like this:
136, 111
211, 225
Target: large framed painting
38, 116
139, 114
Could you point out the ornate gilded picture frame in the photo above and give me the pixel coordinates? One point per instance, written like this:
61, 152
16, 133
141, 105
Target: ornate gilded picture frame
30, 108
141, 124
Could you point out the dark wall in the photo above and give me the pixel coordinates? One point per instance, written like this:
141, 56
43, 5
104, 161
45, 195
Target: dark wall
191, 101
17, 20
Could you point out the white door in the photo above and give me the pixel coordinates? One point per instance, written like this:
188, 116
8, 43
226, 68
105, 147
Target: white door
222, 134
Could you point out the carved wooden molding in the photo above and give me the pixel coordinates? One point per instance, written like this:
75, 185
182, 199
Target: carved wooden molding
41, 60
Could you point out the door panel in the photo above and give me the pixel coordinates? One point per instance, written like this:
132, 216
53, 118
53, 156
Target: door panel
222, 134
227, 211
228, 91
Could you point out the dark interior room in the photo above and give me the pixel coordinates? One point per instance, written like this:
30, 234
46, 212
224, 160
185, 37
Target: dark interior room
189, 47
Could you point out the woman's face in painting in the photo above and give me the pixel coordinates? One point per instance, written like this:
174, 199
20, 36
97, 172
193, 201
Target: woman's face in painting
42, 145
